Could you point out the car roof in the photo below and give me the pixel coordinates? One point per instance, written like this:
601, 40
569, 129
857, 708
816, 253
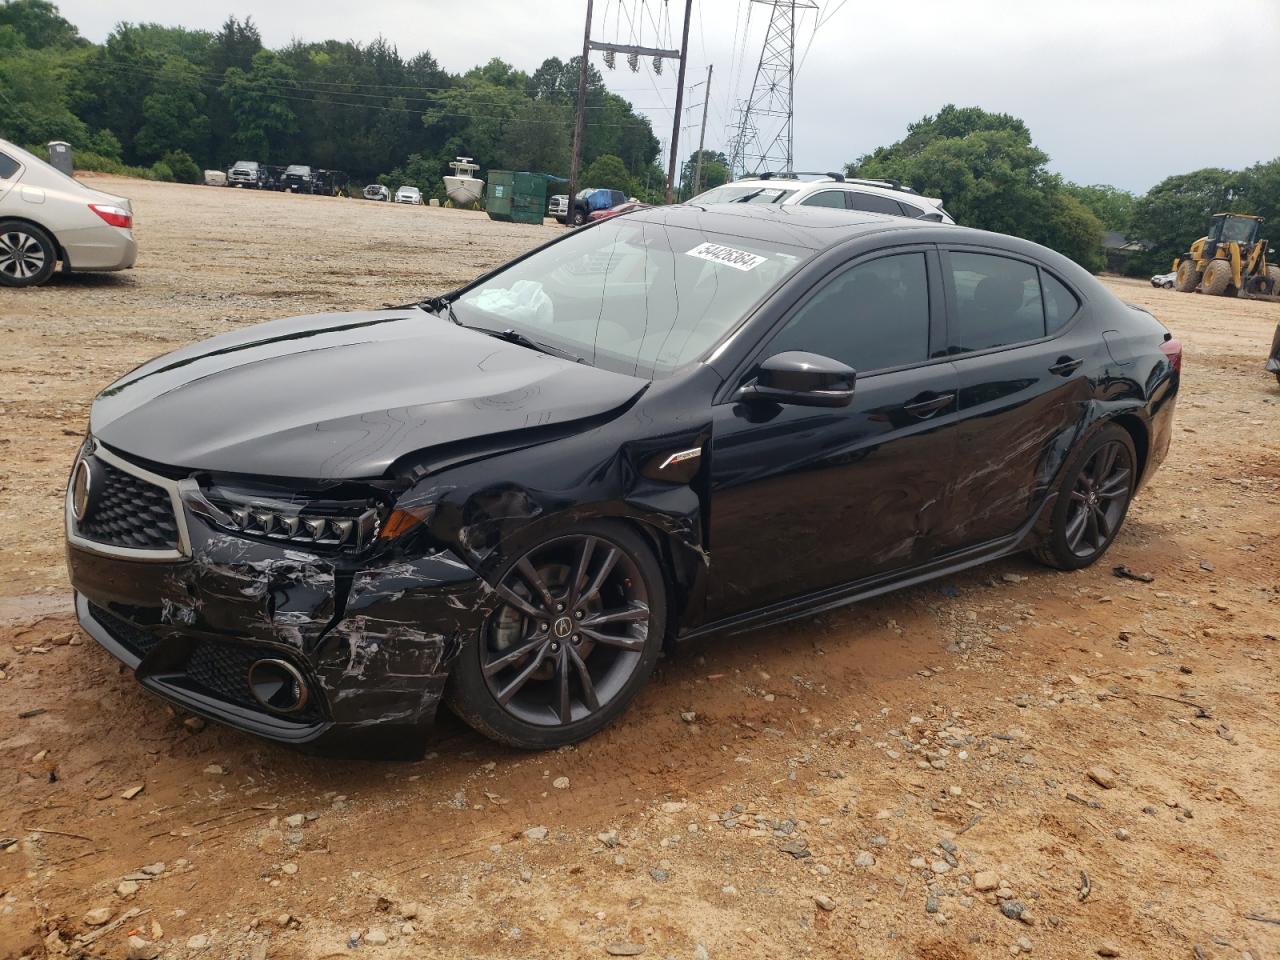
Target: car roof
815, 228
828, 183
821, 228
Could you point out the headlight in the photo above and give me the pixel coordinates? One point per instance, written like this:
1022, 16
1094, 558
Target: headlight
340, 518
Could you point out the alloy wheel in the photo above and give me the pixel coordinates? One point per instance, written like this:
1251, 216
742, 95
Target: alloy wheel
572, 630
21, 255
1099, 499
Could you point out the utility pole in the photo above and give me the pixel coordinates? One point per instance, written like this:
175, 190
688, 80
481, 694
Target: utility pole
631, 51
702, 135
675, 131
575, 156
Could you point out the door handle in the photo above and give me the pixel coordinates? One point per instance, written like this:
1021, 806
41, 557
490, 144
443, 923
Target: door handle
1066, 366
924, 408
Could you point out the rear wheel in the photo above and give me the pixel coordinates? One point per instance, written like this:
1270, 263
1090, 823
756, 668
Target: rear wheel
1273, 275
1092, 502
1217, 278
27, 254
576, 637
1188, 276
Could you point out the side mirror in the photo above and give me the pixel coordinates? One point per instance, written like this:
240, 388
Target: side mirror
932, 215
803, 380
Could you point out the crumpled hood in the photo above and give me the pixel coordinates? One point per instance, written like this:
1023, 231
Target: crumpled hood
342, 396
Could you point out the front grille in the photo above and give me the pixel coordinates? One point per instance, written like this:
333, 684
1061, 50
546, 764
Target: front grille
137, 640
130, 512
222, 670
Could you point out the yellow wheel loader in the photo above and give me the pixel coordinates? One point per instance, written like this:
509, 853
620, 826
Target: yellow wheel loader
1229, 261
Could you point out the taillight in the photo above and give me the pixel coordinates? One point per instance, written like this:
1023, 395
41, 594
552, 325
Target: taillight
1173, 350
116, 216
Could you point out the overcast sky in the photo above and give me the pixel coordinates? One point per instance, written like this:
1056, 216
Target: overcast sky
1115, 91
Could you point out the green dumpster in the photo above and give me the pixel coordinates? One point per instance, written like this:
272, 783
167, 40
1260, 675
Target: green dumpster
516, 197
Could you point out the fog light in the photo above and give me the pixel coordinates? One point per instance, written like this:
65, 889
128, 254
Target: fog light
278, 686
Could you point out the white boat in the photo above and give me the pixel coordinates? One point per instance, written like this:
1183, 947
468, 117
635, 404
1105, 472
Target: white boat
464, 189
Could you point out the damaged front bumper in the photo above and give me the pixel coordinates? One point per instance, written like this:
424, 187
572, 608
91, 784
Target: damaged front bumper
369, 643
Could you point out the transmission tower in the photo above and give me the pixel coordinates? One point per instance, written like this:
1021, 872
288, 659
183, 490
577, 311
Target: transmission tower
742, 132
763, 140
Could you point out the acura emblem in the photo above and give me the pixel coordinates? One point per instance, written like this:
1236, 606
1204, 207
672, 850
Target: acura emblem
563, 627
83, 491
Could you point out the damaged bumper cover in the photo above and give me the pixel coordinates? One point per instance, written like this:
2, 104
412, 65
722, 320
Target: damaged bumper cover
220, 626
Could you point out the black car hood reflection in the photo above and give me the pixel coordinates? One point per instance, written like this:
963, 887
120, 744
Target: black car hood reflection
342, 396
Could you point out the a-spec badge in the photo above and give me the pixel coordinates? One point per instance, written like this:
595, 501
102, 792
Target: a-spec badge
681, 457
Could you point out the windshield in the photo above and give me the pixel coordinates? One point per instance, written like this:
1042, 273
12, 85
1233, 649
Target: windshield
246, 165
631, 296
743, 194
1239, 229
296, 168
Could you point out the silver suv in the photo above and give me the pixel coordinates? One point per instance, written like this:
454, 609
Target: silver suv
829, 190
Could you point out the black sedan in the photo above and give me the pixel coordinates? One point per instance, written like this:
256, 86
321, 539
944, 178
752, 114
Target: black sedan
516, 496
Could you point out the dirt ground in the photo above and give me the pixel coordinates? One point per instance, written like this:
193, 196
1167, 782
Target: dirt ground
900, 779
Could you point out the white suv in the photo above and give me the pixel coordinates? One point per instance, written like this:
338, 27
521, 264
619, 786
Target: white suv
830, 190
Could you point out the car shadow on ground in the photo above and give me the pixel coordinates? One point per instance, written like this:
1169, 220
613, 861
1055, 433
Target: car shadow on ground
88, 281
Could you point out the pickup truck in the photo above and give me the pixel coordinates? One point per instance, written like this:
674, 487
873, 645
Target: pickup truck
298, 179
251, 174
585, 203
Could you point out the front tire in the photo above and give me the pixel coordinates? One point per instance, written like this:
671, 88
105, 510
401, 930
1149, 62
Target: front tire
1093, 500
1188, 276
1217, 278
579, 628
579, 217
28, 255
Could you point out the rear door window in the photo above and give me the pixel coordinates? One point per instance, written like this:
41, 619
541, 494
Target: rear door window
874, 203
8, 166
825, 198
872, 316
997, 302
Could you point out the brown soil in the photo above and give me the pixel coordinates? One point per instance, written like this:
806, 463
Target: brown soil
1013, 679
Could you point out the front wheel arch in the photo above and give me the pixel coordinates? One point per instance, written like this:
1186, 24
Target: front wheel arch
681, 556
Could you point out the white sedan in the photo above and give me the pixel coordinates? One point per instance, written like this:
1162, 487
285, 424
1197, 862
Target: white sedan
1164, 280
409, 195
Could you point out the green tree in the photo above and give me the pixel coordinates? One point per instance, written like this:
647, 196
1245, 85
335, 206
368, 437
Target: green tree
1259, 187
39, 24
1111, 205
264, 118
989, 175
183, 168
610, 172
1073, 230
173, 113
536, 139
34, 98
1176, 211
715, 171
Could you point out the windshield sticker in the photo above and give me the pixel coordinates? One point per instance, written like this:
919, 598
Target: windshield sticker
718, 253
